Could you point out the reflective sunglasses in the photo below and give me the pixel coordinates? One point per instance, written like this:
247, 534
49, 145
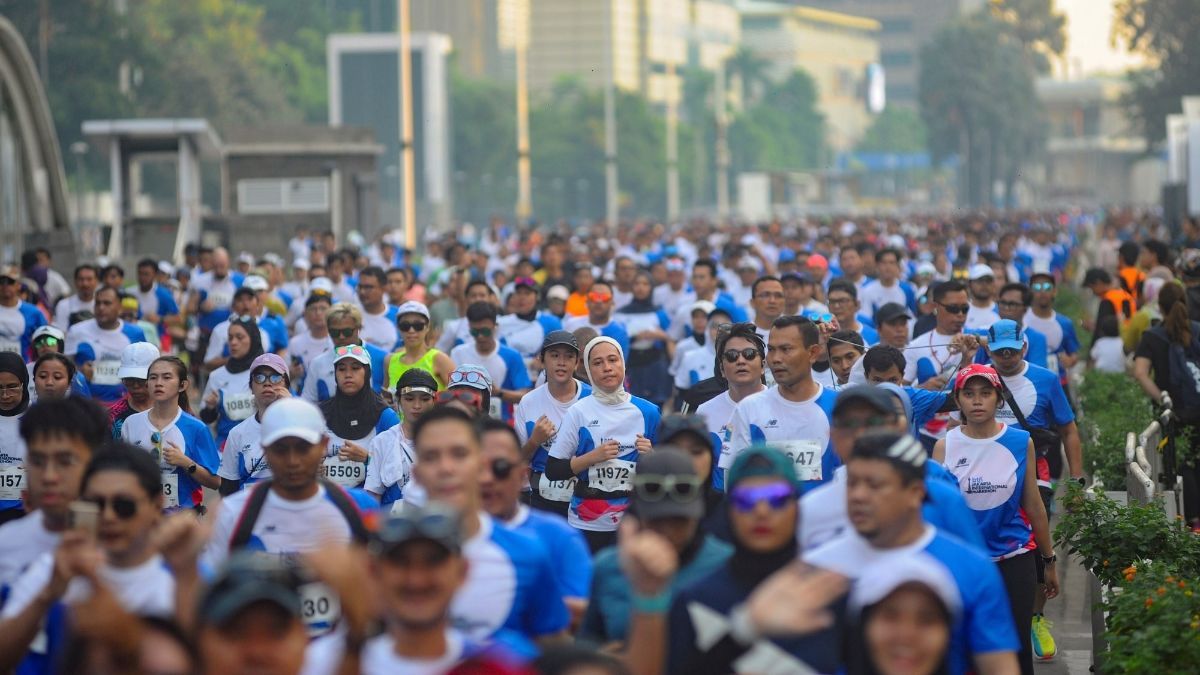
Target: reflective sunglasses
775, 495
596, 296
263, 378
410, 326
655, 488
122, 507
48, 340
241, 318
432, 523
342, 332
525, 281
351, 350
480, 332
749, 353
955, 309
467, 376
471, 397
502, 468
1042, 286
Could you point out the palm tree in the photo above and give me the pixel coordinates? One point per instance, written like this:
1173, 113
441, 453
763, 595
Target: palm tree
750, 71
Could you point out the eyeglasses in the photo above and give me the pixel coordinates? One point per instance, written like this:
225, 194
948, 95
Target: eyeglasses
749, 353
599, 297
467, 376
654, 488
502, 468
49, 341
776, 496
411, 326
480, 332
471, 397
11, 388
1042, 286
241, 318
263, 378
955, 309
342, 332
350, 350
1011, 304
122, 507
838, 302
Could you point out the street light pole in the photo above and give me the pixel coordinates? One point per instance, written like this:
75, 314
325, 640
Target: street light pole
524, 187
722, 150
610, 131
672, 145
408, 187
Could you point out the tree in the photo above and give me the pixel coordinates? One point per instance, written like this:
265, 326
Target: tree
484, 142
978, 102
749, 71
898, 130
1036, 25
1165, 32
782, 132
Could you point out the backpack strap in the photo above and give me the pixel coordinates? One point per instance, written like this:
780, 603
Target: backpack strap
245, 524
341, 499
1006, 394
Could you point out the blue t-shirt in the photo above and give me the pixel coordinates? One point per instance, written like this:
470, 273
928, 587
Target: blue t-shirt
991, 476
1040, 396
189, 434
569, 553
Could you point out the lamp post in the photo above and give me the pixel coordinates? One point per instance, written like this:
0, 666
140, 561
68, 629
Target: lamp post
408, 187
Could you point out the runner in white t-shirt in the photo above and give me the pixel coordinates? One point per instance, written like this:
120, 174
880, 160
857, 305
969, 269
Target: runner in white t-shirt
743, 359
242, 460
389, 469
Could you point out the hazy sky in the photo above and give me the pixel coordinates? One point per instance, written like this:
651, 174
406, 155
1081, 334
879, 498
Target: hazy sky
1089, 38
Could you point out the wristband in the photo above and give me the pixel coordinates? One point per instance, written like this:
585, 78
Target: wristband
652, 604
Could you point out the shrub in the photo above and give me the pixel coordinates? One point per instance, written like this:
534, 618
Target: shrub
1153, 622
1113, 405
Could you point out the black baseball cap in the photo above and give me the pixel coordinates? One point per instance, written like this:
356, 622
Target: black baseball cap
666, 486
879, 399
559, 337
249, 578
418, 379
674, 425
802, 277
890, 312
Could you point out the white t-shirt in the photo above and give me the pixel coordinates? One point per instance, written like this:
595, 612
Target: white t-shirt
380, 329
698, 364
21, 542
670, 300
12, 329
682, 348
876, 295
235, 392
147, 589
532, 407
378, 656
981, 318
242, 458
219, 340
108, 345
1109, 355
68, 306
823, 512
391, 461
306, 347
799, 429
12, 461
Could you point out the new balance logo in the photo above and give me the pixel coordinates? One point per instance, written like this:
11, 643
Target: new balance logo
962, 461
594, 423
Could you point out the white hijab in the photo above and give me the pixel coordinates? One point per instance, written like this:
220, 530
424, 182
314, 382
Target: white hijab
616, 397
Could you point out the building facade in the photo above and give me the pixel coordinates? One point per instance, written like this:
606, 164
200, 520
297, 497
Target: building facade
485, 34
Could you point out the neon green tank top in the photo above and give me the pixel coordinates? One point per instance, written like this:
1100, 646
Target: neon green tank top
396, 368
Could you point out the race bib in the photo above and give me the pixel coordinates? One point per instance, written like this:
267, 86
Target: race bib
556, 490
105, 372
495, 407
1052, 362
344, 473
805, 456
220, 300
238, 406
612, 475
170, 488
10, 345
12, 482
320, 608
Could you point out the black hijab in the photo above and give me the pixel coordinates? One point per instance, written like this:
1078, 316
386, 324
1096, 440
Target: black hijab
353, 417
234, 365
11, 362
645, 305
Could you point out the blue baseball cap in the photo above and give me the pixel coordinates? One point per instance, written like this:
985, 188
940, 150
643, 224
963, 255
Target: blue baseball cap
1005, 334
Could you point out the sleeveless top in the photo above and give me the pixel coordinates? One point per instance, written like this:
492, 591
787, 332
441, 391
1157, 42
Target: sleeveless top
396, 367
991, 475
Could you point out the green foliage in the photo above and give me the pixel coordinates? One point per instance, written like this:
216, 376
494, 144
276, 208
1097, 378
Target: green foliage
1041, 31
1165, 32
1153, 624
484, 145
782, 132
1109, 537
898, 130
1113, 405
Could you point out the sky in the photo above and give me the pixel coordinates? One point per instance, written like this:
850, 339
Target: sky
1089, 39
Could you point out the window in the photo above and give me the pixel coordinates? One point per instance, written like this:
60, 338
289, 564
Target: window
283, 195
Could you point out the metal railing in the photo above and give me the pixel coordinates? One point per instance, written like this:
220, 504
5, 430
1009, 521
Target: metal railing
1146, 476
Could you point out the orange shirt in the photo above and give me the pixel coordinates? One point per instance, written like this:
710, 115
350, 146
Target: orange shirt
1122, 303
577, 304
1132, 279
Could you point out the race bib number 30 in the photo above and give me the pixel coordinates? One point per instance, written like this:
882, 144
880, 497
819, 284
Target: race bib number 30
170, 488
320, 608
12, 482
612, 475
346, 474
805, 456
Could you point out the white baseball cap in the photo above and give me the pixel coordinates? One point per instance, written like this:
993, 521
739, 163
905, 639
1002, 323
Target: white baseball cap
136, 360
48, 331
980, 271
557, 293
245, 257
256, 283
292, 417
321, 285
302, 264
412, 307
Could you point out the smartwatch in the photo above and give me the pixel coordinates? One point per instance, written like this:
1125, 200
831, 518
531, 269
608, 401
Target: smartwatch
192, 469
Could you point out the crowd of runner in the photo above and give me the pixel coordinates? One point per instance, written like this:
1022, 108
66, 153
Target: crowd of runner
798, 447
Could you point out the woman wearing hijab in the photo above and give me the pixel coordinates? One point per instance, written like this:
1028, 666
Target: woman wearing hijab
904, 610
227, 396
599, 442
14, 400
651, 348
763, 513
354, 415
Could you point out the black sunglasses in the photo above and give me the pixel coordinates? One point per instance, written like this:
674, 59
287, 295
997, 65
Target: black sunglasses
749, 353
502, 468
956, 309
123, 507
406, 326
341, 332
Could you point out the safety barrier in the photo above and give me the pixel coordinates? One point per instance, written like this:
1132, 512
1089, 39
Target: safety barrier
1145, 478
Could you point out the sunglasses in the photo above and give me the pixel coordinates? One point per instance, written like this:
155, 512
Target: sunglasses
263, 378
122, 507
7, 281
48, 340
351, 350
775, 495
439, 525
470, 397
652, 488
342, 332
467, 377
481, 332
749, 353
241, 318
599, 297
1006, 353
1042, 286
955, 309
502, 468
410, 326
525, 281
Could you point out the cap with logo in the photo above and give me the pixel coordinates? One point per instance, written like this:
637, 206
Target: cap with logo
48, 331
1005, 334
470, 375
292, 418
352, 352
136, 359
256, 283
976, 370
559, 337
412, 307
433, 522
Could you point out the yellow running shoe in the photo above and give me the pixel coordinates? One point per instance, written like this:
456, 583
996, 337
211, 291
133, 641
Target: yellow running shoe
1044, 648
